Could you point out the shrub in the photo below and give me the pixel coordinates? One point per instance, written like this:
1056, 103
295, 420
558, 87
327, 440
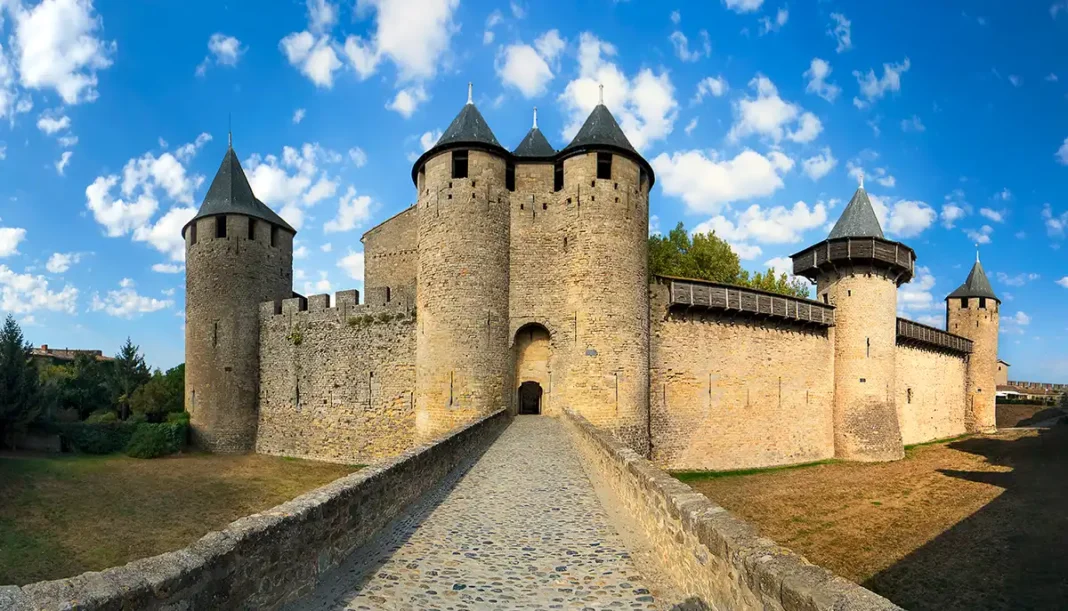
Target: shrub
154, 440
385, 317
102, 418
96, 438
180, 417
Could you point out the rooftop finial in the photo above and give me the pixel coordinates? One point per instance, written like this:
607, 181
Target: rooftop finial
535, 117
469, 92
976, 252
860, 177
601, 96
230, 130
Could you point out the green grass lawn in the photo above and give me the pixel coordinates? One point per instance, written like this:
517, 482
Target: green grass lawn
61, 516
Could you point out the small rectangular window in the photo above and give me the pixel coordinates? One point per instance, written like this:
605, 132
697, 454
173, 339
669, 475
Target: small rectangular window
274, 235
604, 166
220, 226
509, 176
964, 303
558, 176
982, 303
459, 164
193, 233
252, 229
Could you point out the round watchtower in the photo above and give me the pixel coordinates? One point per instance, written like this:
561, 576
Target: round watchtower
238, 253
605, 183
463, 363
972, 311
858, 271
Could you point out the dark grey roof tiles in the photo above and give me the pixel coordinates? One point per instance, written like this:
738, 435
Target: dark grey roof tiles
468, 128
230, 193
858, 220
534, 145
601, 129
977, 285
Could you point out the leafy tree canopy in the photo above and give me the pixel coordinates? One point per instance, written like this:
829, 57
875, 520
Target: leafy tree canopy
705, 256
18, 381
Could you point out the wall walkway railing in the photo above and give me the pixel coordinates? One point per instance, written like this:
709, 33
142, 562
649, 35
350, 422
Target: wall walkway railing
730, 298
909, 332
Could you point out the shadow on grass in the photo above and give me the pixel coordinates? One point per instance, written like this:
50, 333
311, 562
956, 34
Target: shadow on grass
1012, 553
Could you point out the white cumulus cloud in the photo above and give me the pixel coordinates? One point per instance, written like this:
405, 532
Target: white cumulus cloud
818, 166
126, 302
706, 183
842, 32
817, 74
769, 116
874, 88
352, 211
352, 264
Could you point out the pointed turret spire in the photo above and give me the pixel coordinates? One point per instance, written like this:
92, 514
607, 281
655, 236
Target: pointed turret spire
977, 284
858, 219
534, 144
230, 193
601, 130
470, 93
861, 178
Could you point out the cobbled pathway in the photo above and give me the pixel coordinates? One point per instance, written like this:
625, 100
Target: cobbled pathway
522, 529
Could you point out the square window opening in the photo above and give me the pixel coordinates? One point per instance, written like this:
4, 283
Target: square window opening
220, 226
459, 164
604, 166
509, 176
558, 176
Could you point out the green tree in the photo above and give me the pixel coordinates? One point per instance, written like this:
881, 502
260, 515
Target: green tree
161, 395
706, 256
18, 381
128, 373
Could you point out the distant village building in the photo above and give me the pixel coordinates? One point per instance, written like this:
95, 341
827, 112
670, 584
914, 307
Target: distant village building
57, 356
519, 280
1045, 392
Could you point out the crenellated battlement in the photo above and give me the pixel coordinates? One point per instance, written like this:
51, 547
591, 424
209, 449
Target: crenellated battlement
344, 306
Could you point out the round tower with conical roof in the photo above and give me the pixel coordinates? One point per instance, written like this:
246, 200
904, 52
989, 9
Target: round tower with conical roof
972, 311
857, 270
463, 363
238, 254
604, 185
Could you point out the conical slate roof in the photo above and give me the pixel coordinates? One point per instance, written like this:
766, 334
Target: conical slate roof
977, 285
230, 193
534, 144
858, 220
468, 128
601, 129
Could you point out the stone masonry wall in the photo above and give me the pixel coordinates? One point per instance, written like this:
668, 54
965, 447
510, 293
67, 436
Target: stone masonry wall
865, 346
981, 326
715, 559
226, 279
607, 299
464, 363
268, 559
390, 256
737, 393
337, 382
930, 394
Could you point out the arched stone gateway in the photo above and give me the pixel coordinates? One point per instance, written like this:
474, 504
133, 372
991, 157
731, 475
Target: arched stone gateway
533, 377
529, 398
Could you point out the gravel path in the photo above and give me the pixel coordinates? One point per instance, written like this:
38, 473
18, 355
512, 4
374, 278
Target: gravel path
522, 529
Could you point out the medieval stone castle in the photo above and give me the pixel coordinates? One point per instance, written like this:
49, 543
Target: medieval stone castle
519, 279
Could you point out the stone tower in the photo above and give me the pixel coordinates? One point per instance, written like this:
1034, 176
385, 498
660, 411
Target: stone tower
238, 253
858, 271
463, 360
972, 312
606, 183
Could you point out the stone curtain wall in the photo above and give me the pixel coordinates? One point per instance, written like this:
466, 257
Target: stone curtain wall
271, 558
710, 555
930, 394
337, 382
390, 256
734, 393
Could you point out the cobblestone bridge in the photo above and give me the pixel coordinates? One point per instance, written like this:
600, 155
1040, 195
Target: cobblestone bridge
524, 528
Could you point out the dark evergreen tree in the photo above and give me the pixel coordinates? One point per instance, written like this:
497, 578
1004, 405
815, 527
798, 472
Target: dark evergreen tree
128, 373
18, 381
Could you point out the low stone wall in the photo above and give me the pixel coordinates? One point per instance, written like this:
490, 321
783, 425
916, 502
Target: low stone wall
711, 556
268, 559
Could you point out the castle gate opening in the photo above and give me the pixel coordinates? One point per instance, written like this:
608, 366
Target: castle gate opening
532, 376
530, 398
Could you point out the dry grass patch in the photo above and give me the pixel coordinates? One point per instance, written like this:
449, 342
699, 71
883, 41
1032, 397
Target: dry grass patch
977, 523
61, 516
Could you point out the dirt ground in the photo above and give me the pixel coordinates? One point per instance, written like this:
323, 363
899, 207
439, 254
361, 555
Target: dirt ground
1012, 415
62, 516
978, 523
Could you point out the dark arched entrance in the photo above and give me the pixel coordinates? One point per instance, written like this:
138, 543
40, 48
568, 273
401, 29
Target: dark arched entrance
530, 398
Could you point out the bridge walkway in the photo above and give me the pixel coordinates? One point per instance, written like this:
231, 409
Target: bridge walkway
524, 528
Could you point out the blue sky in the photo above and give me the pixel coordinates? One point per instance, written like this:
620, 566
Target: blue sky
757, 115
